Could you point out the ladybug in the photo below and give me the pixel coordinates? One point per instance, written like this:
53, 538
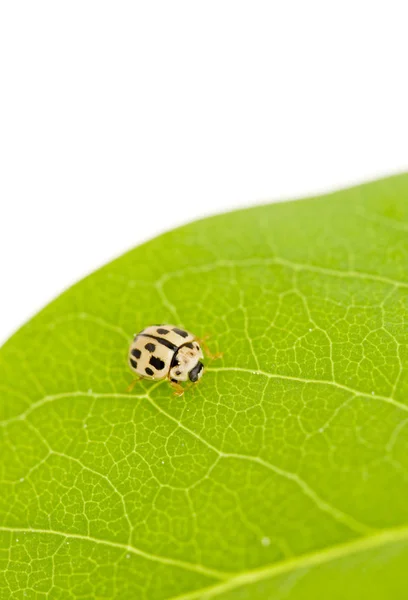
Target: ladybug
167, 352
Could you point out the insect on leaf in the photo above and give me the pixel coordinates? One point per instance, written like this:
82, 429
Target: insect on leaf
283, 474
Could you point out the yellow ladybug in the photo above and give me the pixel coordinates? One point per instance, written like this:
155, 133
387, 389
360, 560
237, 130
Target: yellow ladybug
167, 352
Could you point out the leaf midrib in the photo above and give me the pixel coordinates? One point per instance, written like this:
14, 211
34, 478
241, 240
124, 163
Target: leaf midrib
312, 559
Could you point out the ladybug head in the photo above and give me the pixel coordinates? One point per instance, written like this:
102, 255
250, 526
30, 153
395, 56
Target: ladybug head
186, 363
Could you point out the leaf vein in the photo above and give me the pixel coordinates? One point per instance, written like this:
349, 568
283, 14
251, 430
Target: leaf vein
322, 504
301, 562
346, 388
198, 568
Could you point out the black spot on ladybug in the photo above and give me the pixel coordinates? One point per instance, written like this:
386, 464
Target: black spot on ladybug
133, 363
180, 332
150, 347
197, 347
136, 352
149, 371
178, 372
189, 345
157, 363
162, 331
162, 341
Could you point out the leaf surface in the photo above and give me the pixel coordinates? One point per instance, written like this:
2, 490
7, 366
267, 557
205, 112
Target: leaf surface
283, 475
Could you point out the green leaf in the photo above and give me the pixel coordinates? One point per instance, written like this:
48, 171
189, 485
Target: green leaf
283, 475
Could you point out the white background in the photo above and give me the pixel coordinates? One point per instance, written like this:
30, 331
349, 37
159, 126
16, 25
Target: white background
119, 120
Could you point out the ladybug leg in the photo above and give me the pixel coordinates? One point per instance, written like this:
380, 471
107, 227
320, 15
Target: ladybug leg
134, 382
191, 386
202, 341
177, 387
